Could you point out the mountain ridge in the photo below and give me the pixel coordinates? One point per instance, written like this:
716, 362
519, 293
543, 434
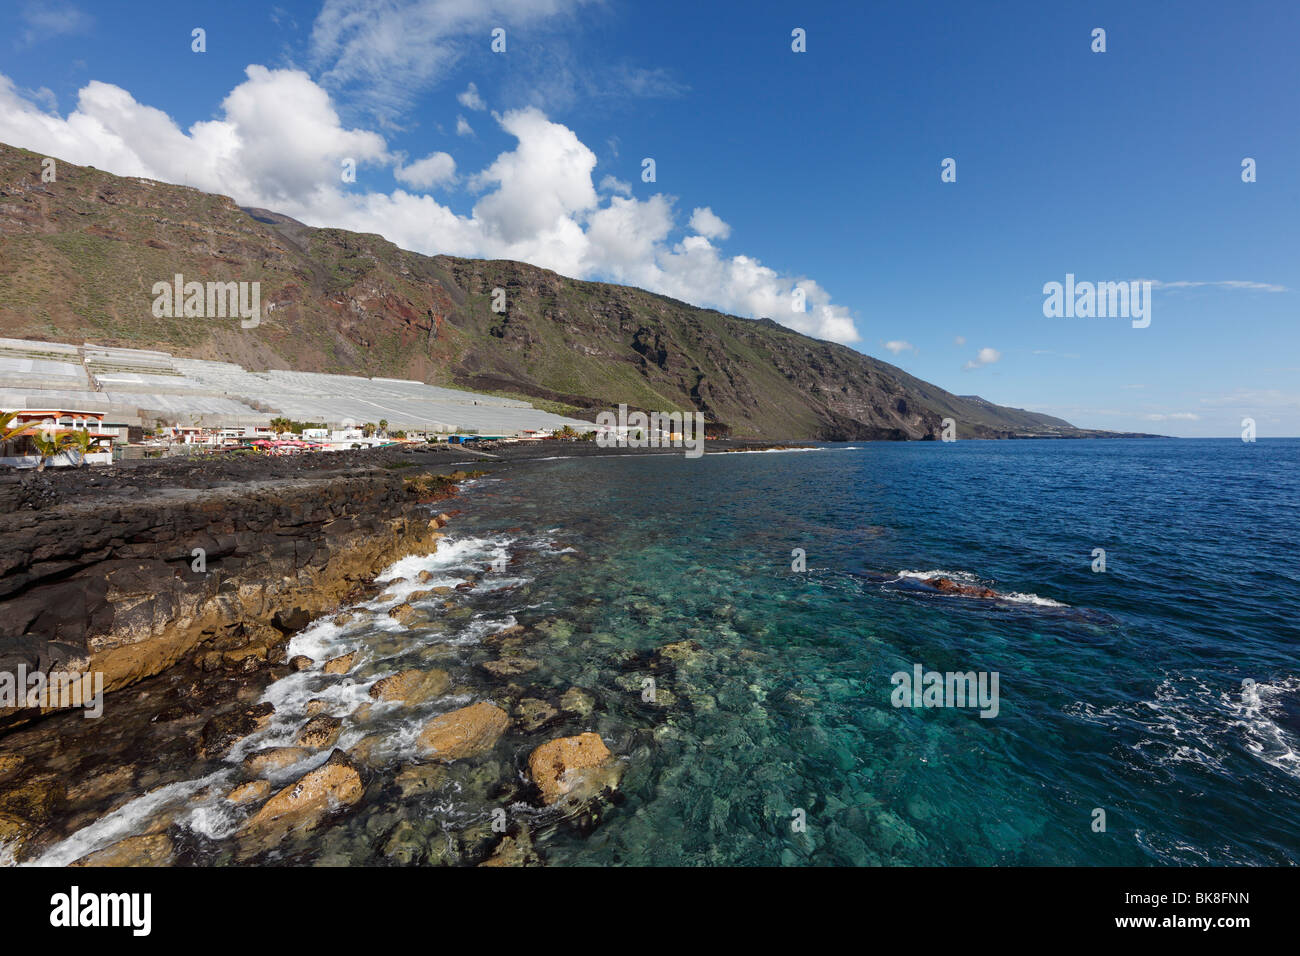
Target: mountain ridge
79, 256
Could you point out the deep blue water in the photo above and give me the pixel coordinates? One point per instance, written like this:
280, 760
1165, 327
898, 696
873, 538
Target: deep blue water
1128, 699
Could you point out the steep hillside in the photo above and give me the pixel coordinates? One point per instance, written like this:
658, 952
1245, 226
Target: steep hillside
79, 257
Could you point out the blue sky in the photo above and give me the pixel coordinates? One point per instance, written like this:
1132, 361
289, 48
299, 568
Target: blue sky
822, 166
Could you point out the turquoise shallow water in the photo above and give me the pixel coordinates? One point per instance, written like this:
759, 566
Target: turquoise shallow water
1129, 699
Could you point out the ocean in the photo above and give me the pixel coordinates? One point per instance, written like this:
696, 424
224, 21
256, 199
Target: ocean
1147, 713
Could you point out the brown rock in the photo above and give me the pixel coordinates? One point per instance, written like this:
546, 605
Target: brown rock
224, 730
465, 732
14, 831
10, 762
514, 630
303, 804
300, 662
250, 792
946, 585
342, 620
151, 850
411, 686
402, 613
425, 577
557, 766
320, 732
341, 665
316, 706
270, 759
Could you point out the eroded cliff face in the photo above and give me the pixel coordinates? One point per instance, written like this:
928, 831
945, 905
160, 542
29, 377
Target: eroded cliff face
119, 582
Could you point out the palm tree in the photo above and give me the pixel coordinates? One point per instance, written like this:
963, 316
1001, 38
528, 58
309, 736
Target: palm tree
368, 429
8, 430
383, 426
280, 424
566, 432
82, 444
48, 446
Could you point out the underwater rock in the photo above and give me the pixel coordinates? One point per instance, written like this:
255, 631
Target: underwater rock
516, 850
420, 778
510, 667
578, 701
534, 714
411, 686
465, 732
224, 730
559, 767
680, 652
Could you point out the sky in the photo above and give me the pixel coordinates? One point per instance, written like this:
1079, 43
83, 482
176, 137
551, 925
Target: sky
782, 177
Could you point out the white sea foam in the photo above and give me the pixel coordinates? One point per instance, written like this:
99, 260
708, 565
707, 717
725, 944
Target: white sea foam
124, 821
966, 577
767, 451
1189, 721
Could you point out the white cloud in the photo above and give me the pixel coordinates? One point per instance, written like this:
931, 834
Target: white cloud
470, 99
986, 356
279, 143
434, 170
463, 128
1223, 284
897, 346
1255, 398
390, 52
610, 184
1171, 417
959, 340
708, 225
48, 20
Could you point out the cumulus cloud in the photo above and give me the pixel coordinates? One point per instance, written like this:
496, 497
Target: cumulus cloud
898, 346
463, 128
704, 222
278, 142
470, 99
986, 356
436, 169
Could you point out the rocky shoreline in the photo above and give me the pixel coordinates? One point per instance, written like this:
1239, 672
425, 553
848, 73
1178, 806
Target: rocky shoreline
99, 576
